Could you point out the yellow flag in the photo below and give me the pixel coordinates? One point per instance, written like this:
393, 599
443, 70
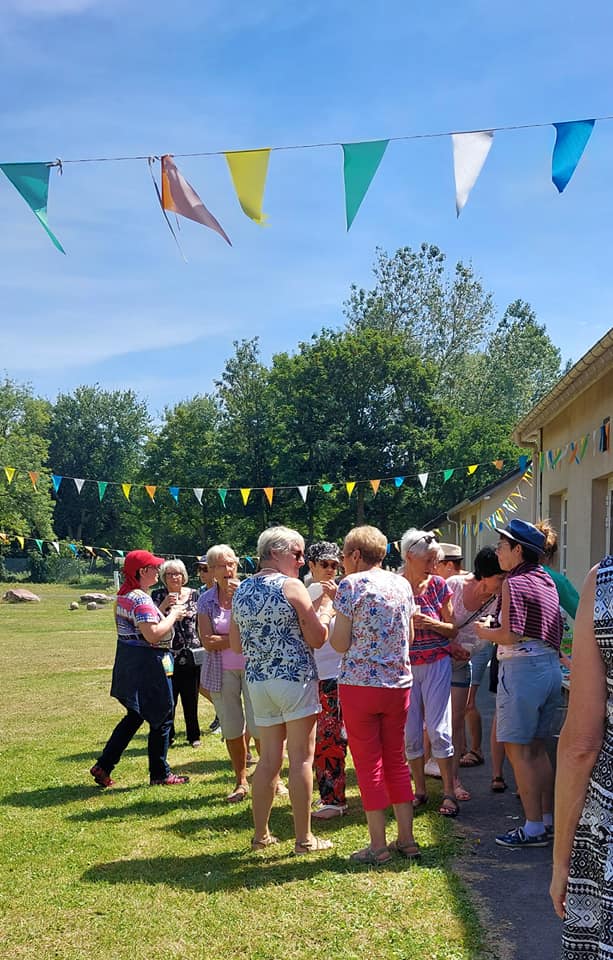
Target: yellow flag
472, 469
375, 484
151, 491
269, 491
126, 487
10, 473
248, 169
21, 541
350, 485
245, 491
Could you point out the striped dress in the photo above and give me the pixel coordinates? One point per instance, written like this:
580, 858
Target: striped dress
588, 925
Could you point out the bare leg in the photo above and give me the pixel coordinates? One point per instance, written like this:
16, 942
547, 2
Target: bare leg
498, 753
533, 775
446, 768
265, 776
473, 721
459, 697
301, 749
419, 777
238, 756
376, 828
404, 818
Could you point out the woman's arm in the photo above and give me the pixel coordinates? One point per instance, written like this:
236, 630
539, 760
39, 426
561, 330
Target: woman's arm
154, 633
502, 634
445, 626
234, 636
208, 638
314, 627
341, 635
580, 740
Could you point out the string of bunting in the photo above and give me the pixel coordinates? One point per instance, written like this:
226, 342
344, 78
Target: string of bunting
303, 489
248, 561
248, 171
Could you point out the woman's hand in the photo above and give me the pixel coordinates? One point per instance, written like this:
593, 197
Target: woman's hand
457, 652
169, 601
329, 588
557, 890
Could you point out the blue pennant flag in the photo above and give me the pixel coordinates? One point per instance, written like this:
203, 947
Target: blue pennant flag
571, 141
174, 493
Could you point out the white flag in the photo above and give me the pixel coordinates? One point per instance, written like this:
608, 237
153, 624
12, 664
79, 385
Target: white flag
198, 491
78, 484
56, 546
303, 491
423, 479
470, 151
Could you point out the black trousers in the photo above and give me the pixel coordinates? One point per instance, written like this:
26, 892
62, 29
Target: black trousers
185, 687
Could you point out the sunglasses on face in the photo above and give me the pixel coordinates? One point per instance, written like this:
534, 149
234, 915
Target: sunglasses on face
328, 564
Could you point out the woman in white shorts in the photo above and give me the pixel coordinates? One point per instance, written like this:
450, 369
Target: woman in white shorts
276, 627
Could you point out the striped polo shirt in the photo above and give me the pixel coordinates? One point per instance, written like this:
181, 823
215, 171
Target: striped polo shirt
534, 609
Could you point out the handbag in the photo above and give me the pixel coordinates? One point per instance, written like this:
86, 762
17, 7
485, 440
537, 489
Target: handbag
189, 657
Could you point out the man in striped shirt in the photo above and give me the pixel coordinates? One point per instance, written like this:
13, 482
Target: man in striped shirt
529, 687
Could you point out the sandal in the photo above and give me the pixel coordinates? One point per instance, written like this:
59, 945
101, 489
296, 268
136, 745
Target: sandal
239, 793
453, 807
460, 792
472, 758
420, 800
372, 858
498, 785
409, 850
314, 845
266, 841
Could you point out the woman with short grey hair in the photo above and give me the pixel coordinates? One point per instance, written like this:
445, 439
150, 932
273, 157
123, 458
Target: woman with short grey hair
186, 672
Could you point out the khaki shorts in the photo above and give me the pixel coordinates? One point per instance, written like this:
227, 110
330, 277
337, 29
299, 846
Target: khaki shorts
278, 701
228, 703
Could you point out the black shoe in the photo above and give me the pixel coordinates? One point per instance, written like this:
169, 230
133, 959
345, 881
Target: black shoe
214, 725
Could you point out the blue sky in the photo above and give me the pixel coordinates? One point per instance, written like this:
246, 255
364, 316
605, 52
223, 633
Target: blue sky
91, 78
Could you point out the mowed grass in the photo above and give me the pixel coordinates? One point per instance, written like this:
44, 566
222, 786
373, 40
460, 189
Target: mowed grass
147, 873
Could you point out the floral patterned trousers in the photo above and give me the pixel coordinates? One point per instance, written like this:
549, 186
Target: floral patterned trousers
330, 745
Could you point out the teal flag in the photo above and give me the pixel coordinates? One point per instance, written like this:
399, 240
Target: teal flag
571, 141
361, 161
56, 479
102, 485
174, 493
39, 544
223, 492
31, 180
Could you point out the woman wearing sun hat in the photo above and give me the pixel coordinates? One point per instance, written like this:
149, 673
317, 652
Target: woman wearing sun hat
529, 685
142, 671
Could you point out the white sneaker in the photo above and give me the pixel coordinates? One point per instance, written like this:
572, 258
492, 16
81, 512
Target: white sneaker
431, 768
326, 811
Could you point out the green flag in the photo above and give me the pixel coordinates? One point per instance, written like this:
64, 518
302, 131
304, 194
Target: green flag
31, 180
361, 161
102, 485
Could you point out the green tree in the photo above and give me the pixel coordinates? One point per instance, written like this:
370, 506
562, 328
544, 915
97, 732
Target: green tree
25, 510
98, 434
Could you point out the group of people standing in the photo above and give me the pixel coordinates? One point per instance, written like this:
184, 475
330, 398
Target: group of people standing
379, 662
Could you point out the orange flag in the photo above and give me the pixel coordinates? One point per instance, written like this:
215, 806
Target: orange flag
498, 464
151, 491
33, 475
375, 484
269, 491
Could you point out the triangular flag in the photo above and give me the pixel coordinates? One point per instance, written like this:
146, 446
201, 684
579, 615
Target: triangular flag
39, 544
31, 180
269, 492
571, 141
498, 464
126, 487
223, 493
102, 485
180, 197
326, 487
33, 475
423, 479
447, 474
3, 537
398, 481
21, 541
56, 546
350, 487
10, 473
303, 491
151, 491
473, 467
119, 553
249, 562
524, 460
375, 484
198, 491
470, 152
174, 493
360, 163
248, 169
56, 479
74, 549
78, 484
245, 491
89, 550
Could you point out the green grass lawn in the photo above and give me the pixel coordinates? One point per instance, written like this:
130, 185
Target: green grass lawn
146, 873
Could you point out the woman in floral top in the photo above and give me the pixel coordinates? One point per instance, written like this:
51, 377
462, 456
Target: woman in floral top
373, 632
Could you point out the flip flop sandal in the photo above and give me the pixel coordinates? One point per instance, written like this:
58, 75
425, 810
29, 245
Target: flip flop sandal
498, 785
370, 857
461, 794
410, 851
239, 793
449, 811
471, 759
266, 841
420, 800
314, 845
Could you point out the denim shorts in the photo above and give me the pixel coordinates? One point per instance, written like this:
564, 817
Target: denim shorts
528, 697
278, 701
461, 673
479, 661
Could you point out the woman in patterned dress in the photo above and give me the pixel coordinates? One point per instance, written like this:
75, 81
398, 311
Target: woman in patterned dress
276, 627
582, 882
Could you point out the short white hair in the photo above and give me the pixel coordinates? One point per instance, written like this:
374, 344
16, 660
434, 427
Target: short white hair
280, 539
420, 543
173, 566
218, 553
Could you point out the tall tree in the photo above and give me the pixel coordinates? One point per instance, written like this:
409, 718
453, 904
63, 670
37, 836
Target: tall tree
98, 434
